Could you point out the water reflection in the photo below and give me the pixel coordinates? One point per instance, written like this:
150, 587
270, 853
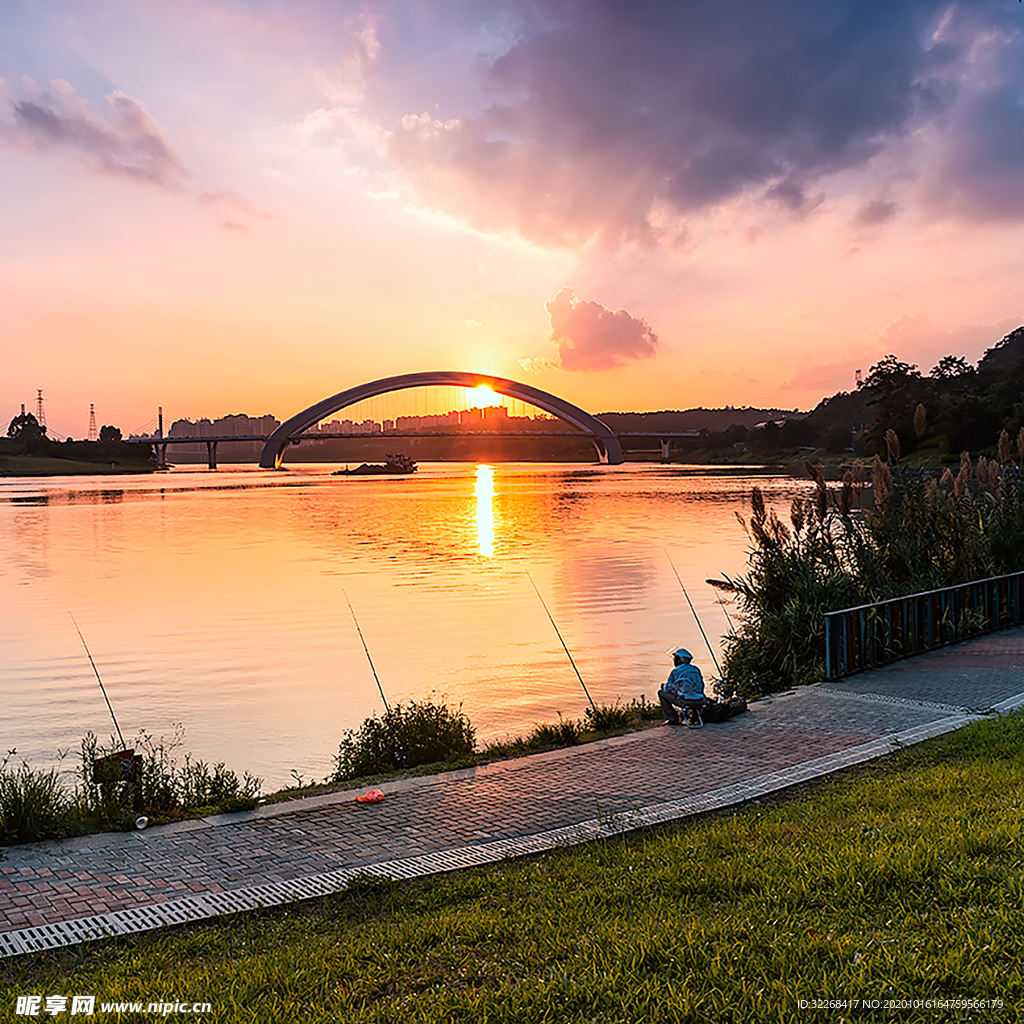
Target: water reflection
484, 488
216, 601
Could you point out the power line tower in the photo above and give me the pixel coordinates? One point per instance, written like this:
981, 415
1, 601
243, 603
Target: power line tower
40, 414
93, 432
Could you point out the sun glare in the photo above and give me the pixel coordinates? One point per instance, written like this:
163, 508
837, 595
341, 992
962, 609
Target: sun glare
483, 396
484, 488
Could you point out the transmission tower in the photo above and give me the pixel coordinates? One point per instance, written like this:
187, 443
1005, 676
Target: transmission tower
93, 433
40, 414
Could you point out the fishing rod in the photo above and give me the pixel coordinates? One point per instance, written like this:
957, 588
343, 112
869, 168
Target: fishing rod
566, 649
368, 658
695, 615
728, 617
103, 689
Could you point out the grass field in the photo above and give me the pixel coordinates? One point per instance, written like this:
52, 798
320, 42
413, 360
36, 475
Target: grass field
901, 881
37, 465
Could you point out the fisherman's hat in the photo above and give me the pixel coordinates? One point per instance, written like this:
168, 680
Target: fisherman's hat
681, 653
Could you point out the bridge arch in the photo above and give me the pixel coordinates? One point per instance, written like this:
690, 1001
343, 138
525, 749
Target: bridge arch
604, 440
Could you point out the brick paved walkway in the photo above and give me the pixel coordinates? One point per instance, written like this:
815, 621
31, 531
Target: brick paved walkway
60, 892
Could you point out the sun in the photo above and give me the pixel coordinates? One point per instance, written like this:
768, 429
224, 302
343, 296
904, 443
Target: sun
483, 396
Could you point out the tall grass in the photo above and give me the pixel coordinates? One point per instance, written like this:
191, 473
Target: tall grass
832, 554
165, 788
36, 804
33, 804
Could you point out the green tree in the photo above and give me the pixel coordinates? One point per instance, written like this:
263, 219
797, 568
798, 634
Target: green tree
110, 434
895, 388
952, 368
889, 376
25, 427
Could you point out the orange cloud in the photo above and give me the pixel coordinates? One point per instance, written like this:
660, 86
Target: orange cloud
590, 336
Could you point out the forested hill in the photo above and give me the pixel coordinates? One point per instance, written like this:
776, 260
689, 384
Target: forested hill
711, 420
965, 407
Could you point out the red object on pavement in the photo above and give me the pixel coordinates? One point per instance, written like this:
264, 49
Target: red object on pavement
373, 797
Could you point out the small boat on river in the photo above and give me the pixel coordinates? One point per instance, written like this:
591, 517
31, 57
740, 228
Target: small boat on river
393, 464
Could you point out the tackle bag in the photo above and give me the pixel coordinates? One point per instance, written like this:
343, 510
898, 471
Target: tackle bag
719, 711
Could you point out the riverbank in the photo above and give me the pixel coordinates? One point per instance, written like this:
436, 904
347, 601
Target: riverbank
33, 465
774, 911
34, 805
58, 893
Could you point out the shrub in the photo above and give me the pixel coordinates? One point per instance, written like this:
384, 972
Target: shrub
567, 733
404, 737
33, 805
164, 789
201, 786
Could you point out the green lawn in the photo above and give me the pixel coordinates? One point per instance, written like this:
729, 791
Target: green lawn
901, 881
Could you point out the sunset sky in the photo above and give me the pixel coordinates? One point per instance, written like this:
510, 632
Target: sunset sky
245, 207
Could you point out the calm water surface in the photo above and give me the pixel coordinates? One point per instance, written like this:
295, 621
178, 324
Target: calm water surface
217, 600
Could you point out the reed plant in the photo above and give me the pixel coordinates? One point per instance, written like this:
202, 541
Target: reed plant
843, 547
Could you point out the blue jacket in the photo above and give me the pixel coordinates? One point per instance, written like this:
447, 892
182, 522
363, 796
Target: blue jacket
685, 682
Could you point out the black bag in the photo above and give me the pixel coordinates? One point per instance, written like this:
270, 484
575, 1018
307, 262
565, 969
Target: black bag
720, 711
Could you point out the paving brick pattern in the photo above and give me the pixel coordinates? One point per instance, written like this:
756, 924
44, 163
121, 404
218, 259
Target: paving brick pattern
61, 881
977, 674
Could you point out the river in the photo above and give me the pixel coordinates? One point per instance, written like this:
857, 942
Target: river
218, 599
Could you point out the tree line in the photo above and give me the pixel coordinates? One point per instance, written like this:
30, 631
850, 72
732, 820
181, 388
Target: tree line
27, 436
956, 407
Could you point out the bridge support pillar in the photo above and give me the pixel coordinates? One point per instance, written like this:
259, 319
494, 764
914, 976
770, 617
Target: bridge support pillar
602, 452
161, 456
666, 449
211, 454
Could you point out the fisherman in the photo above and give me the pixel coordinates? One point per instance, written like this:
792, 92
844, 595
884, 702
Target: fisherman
684, 691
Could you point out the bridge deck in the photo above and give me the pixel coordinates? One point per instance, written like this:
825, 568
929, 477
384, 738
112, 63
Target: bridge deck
225, 438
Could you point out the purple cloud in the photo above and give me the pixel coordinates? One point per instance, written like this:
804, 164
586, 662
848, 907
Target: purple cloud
874, 212
129, 145
979, 168
590, 336
608, 117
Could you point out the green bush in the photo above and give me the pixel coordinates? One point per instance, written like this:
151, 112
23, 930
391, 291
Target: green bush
164, 789
404, 737
571, 732
920, 535
33, 805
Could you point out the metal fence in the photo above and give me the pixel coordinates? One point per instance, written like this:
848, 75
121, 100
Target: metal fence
876, 634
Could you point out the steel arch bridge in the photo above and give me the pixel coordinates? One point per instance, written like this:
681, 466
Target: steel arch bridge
601, 436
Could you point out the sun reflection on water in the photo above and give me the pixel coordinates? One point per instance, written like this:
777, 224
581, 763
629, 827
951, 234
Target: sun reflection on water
484, 489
